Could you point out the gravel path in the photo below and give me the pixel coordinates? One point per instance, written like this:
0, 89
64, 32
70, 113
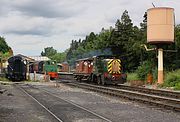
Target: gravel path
65, 110
118, 110
15, 106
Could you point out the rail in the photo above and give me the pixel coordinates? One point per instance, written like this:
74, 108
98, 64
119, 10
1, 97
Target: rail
49, 106
158, 100
37, 101
166, 93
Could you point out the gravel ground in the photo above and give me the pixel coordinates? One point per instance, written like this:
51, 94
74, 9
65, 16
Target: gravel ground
64, 110
15, 106
117, 110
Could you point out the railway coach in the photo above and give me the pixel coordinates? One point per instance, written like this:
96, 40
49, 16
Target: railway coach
49, 67
103, 69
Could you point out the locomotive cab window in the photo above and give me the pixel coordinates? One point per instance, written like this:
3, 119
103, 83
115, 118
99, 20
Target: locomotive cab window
48, 63
25, 62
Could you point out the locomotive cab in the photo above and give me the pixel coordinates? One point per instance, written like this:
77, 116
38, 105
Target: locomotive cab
17, 67
50, 67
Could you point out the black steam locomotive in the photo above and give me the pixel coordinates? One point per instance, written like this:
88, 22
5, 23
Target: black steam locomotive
17, 67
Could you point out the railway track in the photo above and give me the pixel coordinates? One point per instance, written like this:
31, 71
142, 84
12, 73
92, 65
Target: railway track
61, 109
165, 93
36, 100
167, 100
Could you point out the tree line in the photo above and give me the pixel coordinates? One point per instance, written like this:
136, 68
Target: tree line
125, 41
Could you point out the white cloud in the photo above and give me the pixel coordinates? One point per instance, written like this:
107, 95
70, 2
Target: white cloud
31, 25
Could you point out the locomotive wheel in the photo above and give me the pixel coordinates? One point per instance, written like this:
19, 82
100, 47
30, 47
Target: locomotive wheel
94, 78
79, 79
52, 78
102, 80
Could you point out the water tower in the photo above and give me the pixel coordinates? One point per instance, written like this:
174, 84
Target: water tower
160, 31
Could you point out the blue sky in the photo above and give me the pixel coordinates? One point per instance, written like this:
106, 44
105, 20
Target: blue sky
31, 25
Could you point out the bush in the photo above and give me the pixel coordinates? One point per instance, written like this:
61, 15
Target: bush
177, 86
173, 79
155, 74
144, 69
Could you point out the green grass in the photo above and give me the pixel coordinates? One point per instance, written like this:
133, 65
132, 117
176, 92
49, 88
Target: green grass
172, 79
132, 76
3, 79
31, 81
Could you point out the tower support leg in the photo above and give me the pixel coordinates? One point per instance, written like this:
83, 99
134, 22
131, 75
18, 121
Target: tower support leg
160, 66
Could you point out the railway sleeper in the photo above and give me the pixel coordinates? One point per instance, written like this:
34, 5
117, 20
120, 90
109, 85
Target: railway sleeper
133, 97
141, 95
171, 94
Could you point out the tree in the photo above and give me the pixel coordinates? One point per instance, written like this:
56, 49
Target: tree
126, 30
172, 59
177, 47
3, 45
90, 41
122, 36
103, 39
125, 41
59, 57
143, 25
49, 52
5, 51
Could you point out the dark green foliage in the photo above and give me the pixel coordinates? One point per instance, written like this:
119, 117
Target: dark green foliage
51, 53
5, 51
125, 41
144, 69
59, 57
3, 45
177, 86
155, 73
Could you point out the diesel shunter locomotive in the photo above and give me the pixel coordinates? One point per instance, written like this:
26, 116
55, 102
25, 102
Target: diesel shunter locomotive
41, 67
102, 69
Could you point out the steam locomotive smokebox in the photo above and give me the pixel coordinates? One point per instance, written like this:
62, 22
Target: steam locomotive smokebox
160, 25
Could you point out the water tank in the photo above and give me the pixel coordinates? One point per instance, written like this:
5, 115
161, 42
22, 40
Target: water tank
160, 25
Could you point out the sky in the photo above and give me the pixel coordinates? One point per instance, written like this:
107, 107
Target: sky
29, 26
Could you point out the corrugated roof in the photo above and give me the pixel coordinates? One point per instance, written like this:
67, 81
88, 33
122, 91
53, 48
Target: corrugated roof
29, 59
